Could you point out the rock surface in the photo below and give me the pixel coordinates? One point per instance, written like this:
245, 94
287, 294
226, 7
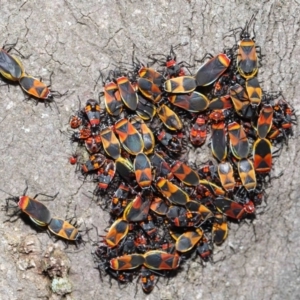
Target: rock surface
74, 40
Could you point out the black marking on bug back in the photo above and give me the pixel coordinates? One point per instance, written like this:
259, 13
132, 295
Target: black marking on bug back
189, 84
27, 83
56, 225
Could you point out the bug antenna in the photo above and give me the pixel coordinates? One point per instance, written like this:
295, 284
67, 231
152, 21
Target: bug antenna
7, 193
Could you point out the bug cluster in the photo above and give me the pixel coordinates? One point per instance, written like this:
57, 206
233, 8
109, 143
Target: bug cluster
12, 70
40, 215
162, 209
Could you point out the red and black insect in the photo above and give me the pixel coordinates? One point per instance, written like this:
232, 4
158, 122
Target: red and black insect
127, 92
93, 113
129, 137
35, 209
105, 175
262, 156
198, 132
234, 209
142, 169
247, 58
265, 120
211, 70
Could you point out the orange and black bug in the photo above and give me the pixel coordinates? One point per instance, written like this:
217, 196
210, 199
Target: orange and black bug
36, 210
219, 229
185, 173
204, 249
147, 280
265, 120
160, 260
222, 102
129, 137
262, 156
80, 135
94, 163
169, 118
127, 92
151, 75
239, 143
105, 175
212, 188
93, 111
122, 191
119, 203
180, 85
171, 142
172, 192
283, 118
254, 91
110, 143
226, 176
10, 67
241, 101
247, 61
194, 102
188, 219
75, 122
112, 98
162, 168
142, 170
218, 140
221, 86
148, 138
198, 132
127, 262
93, 144
125, 168
149, 228
117, 231
234, 209
212, 69
159, 206
207, 171
247, 174
188, 240
64, 229
73, 159
78, 118
173, 68
35, 87
200, 208
289, 117
145, 109
149, 90
142, 240
137, 210
146, 133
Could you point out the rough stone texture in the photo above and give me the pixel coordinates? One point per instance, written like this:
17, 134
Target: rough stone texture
74, 39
